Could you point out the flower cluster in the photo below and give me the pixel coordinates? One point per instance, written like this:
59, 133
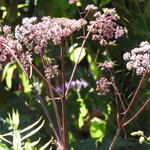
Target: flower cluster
7, 40
73, 1
77, 83
106, 65
102, 86
35, 35
51, 71
91, 7
104, 28
139, 58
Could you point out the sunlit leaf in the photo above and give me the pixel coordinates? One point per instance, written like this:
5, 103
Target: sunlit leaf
32, 144
3, 147
4, 139
9, 75
33, 131
97, 128
74, 53
31, 126
25, 82
46, 145
5, 70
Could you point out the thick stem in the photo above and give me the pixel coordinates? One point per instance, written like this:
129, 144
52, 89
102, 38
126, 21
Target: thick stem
64, 117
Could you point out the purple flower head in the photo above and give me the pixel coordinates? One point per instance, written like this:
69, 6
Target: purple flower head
139, 58
77, 84
102, 86
105, 26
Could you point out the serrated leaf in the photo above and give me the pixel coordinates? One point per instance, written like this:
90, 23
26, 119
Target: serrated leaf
33, 132
31, 126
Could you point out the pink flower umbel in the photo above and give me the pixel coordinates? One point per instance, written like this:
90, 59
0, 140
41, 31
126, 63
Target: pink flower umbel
105, 27
139, 58
102, 86
106, 65
73, 1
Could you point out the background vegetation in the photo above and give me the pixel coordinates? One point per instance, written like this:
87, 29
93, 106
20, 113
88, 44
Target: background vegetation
91, 118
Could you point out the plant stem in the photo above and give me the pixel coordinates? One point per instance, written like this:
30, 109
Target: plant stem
52, 96
139, 111
135, 94
114, 139
75, 66
38, 96
64, 117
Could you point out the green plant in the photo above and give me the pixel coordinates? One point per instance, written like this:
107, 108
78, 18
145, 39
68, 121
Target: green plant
19, 140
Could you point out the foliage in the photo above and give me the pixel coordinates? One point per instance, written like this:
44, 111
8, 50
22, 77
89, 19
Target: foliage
19, 141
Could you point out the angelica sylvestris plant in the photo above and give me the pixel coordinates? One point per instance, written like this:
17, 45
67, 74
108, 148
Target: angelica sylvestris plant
32, 38
139, 60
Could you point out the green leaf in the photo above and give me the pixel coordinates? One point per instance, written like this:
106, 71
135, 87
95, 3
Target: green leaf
4, 139
25, 82
33, 132
9, 75
104, 2
97, 128
74, 53
31, 126
46, 145
3, 147
22, 5
27, 145
5, 70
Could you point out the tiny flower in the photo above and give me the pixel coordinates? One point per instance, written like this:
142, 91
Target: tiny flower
148, 139
73, 1
102, 86
91, 7
139, 58
105, 28
137, 133
106, 65
51, 71
141, 139
6, 29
